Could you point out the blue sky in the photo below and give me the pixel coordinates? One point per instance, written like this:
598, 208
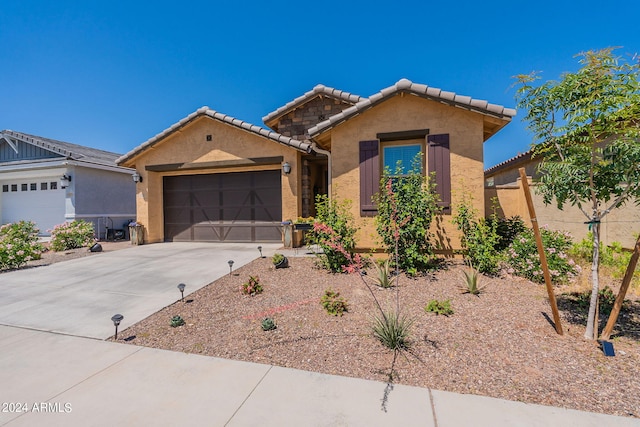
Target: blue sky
111, 75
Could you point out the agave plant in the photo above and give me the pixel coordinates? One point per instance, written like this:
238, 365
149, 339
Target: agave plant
471, 282
383, 276
268, 324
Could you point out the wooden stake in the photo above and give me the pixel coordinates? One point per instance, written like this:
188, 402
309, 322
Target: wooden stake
543, 257
626, 281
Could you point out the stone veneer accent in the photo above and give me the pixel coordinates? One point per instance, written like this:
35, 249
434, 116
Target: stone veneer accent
296, 123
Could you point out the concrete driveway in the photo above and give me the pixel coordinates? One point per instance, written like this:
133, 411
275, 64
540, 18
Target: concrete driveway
78, 297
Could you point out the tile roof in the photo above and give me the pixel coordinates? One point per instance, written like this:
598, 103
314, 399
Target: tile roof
206, 111
519, 158
424, 91
65, 149
317, 90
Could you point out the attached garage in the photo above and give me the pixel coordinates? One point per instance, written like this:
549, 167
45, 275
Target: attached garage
223, 207
213, 178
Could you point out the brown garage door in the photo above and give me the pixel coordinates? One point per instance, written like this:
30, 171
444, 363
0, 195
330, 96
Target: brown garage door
231, 207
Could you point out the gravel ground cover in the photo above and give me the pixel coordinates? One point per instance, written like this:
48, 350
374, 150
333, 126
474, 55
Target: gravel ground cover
500, 344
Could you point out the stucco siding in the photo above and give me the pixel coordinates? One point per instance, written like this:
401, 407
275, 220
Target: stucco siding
102, 192
402, 113
621, 225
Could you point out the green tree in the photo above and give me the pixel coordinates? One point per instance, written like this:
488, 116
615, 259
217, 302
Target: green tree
586, 132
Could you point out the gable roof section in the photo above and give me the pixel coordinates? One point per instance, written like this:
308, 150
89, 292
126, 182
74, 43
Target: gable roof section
64, 149
317, 90
424, 91
206, 111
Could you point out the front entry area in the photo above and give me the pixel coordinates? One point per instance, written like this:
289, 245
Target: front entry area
223, 207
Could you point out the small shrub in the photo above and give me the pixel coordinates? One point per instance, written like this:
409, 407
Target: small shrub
522, 256
252, 287
334, 232
479, 239
383, 276
507, 229
439, 307
18, 244
72, 235
471, 282
277, 258
333, 303
176, 321
613, 259
392, 329
606, 299
268, 324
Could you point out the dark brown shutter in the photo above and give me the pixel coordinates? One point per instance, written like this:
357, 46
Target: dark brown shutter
439, 162
369, 176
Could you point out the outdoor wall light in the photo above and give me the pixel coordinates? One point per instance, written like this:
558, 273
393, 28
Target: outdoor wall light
65, 180
260, 250
136, 177
230, 262
116, 319
286, 168
181, 287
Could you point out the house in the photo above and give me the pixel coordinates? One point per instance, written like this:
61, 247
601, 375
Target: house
212, 177
50, 182
503, 188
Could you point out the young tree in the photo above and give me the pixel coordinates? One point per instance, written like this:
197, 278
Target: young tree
586, 130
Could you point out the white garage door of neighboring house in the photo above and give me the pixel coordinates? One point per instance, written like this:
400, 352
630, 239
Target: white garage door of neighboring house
40, 200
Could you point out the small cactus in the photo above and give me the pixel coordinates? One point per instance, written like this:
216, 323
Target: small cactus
268, 324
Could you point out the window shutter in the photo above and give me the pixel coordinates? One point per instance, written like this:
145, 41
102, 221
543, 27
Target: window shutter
439, 162
369, 176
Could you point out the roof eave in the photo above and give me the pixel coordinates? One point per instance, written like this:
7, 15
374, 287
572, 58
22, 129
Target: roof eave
423, 91
128, 159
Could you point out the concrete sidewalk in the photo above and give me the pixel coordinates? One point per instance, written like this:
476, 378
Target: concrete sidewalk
59, 380
78, 297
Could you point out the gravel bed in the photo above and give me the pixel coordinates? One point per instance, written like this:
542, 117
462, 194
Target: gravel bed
499, 344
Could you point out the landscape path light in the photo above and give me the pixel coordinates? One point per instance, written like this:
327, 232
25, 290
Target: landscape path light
230, 262
181, 286
260, 250
116, 319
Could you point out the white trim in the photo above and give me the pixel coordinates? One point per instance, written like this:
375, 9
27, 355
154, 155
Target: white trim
113, 168
61, 163
74, 216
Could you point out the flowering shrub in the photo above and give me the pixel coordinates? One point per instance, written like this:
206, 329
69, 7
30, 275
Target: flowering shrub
333, 232
18, 244
522, 256
407, 205
71, 235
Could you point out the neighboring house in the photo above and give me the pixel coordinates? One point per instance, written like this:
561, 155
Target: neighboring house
211, 177
50, 182
504, 186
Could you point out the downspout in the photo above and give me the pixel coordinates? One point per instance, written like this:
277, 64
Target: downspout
315, 148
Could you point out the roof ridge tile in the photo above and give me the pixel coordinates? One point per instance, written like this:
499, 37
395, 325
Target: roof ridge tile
317, 89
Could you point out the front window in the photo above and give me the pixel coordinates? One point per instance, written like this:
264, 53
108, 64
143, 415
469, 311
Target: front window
398, 159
